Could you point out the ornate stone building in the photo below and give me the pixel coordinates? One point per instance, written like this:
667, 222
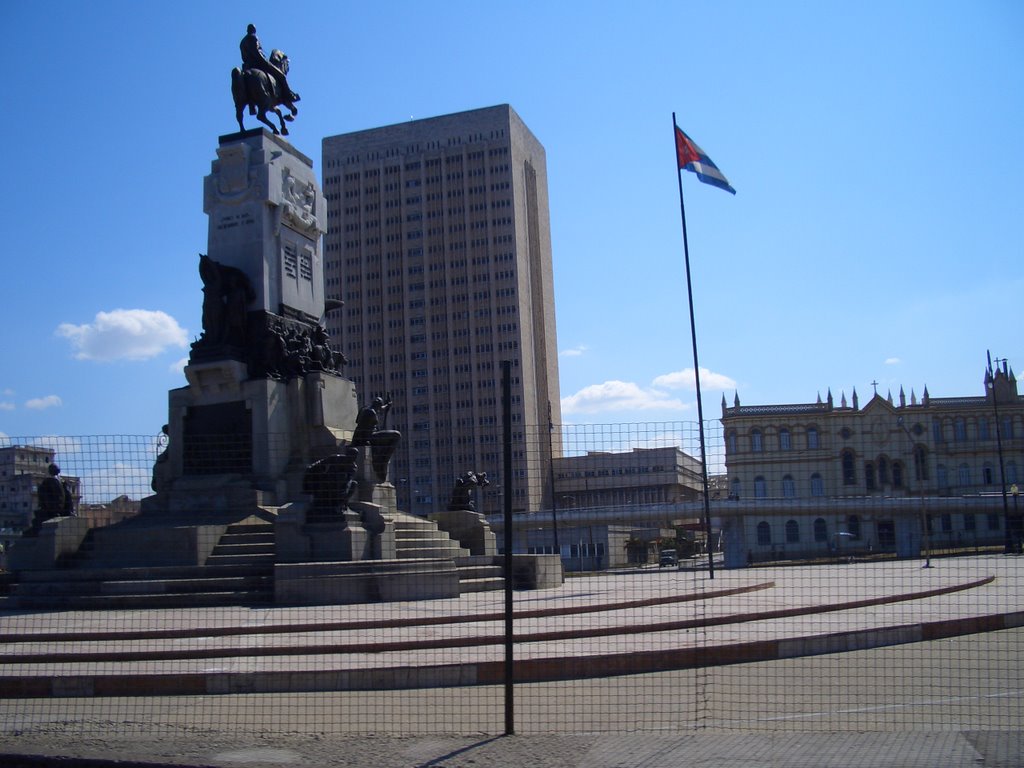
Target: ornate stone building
809, 478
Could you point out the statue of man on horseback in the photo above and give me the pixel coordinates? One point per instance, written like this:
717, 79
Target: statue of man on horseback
261, 84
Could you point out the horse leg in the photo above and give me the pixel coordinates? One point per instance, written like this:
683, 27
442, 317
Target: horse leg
262, 117
284, 128
238, 116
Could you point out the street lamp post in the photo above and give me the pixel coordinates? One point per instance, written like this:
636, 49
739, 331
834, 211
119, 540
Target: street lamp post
923, 514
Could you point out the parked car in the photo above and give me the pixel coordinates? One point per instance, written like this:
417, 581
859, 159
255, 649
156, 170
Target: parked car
668, 557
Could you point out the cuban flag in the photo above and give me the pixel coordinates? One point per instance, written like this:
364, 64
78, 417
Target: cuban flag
692, 158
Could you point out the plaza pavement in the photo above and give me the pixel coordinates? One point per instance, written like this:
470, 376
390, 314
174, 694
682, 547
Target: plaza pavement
253, 686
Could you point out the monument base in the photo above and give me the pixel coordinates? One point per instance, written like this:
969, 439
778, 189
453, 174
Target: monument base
364, 582
470, 528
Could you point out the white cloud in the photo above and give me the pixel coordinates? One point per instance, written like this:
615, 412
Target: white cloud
8, 392
684, 379
892, 361
178, 366
7, 406
618, 396
42, 403
574, 352
124, 334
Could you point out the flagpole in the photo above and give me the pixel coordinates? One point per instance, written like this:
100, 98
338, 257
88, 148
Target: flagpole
696, 369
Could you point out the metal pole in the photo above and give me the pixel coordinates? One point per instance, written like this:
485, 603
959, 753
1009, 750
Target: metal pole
696, 371
506, 424
551, 472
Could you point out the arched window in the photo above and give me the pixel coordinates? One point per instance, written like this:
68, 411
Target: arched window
942, 476
853, 526
959, 430
788, 487
732, 441
760, 487
812, 438
756, 443
784, 442
964, 475
869, 475
849, 468
883, 470
983, 433
792, 532
897, 474
817, 485
764, 533
920, 462
988, 476
735, 488
820, 530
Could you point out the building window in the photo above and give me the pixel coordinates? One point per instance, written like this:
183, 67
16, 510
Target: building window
756, 444
941, 476
987, 475
784, 442
964, 475
849, 468
937, 430
792, 532
817, 485
812, 438
897, 474
869, 475
853, 526
735, 489
883, 470
959, 430
920, 463
732, 441
992, 521
1011, 472
760, 487
788, 487
764, 533
970, 522
820, 530
983, 433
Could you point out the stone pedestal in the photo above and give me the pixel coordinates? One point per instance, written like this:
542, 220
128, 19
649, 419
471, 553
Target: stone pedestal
59, 537
352, 536
469, 528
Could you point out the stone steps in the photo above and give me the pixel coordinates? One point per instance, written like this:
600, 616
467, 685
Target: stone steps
239, 571
419, 537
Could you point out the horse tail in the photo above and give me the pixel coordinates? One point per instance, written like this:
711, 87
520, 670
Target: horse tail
238, 87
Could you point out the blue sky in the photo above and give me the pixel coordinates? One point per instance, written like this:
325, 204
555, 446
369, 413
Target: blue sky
875, 148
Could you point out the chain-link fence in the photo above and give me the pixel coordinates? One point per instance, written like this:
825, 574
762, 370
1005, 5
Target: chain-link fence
824, 582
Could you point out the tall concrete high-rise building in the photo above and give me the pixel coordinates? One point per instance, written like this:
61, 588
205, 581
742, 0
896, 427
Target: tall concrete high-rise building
439, 244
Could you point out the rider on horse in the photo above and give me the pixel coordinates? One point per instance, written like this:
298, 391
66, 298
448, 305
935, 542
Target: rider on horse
253, 58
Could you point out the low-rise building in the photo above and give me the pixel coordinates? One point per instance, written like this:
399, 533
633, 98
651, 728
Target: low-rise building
893, 475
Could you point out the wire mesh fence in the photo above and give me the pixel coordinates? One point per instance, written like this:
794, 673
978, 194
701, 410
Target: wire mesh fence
843, 584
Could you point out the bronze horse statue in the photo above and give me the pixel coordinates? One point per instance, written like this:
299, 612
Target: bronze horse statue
260, 92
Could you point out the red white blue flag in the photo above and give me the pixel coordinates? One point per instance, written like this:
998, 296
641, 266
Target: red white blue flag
693, 158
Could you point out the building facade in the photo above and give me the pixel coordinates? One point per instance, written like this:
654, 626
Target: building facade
891, 475
636, 477
439, 244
